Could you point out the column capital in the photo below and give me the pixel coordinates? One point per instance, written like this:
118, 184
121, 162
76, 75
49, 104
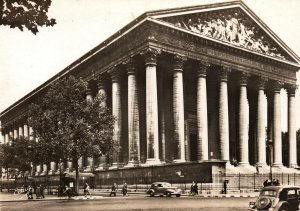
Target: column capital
100, 82
244, 76
150, 55
224, 73
115, 73
291, 89
261, 82
276, 86
178, 62
203, 66
88, 91
129, 64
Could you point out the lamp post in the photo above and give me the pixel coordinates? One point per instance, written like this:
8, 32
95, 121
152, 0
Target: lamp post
270, 145
60, 164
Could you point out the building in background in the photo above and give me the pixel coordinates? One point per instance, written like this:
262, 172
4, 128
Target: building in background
192, 89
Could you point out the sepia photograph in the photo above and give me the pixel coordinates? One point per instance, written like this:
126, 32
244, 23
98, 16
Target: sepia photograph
150, 105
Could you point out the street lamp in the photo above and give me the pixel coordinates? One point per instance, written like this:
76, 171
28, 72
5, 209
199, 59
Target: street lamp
270, 145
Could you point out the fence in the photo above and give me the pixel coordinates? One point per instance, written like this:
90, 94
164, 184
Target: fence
237, 182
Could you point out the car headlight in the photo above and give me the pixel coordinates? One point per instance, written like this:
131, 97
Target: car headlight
274, 202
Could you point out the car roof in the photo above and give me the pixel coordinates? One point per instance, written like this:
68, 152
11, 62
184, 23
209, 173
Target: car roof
161, 183
280, 187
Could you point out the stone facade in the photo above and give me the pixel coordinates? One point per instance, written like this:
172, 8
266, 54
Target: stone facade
181, 96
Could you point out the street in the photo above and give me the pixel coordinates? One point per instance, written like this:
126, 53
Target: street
135, 202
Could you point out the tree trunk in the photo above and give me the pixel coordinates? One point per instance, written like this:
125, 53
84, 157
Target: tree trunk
77, 176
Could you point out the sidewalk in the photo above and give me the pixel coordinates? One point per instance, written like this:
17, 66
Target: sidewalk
96, 194
9, 197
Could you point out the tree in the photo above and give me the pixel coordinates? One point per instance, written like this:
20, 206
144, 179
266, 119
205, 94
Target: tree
15, 155
25, 13
67, 126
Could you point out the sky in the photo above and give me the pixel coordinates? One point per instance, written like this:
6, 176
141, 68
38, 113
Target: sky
28, 60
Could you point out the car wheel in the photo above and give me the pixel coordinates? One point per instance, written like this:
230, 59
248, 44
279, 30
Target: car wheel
168, 194
263, 203
283, 208
152, 194
177, 195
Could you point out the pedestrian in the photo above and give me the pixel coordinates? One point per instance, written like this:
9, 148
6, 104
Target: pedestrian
193, 188
38, 192
67, 191
225, 184
124, 189
86, 189
113, 190
29, 192
42, 191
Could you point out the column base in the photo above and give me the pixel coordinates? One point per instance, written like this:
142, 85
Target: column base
102, 167
51, 172
293, 166
152, 162
179, 161
116, 166
277, 165
43, 173
88, 169
243, 164
132, 164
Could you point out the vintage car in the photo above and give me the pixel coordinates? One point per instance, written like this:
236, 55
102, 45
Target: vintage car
163, 189
275, 198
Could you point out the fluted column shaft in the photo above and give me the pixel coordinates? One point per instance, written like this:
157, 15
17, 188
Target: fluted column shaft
90, 161
243, 121
178, 108
277, 125
15, 133
292, 127
116, 110
261, 118
223, 116
26, 131
20, 133
133, 115
6, 138
202, 113
151, 106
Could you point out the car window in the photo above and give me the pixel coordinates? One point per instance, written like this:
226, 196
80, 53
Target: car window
298, 192
291, 194
153, 185
268, 193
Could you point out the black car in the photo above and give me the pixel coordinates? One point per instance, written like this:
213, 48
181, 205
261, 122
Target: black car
277, 198
163, 188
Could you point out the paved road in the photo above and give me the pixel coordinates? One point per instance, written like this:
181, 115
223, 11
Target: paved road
132, 203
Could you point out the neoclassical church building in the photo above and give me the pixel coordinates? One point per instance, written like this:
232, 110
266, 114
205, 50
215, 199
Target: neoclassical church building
191, 88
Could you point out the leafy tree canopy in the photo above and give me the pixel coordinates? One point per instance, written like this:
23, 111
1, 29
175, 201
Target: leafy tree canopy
67, 126
25, 13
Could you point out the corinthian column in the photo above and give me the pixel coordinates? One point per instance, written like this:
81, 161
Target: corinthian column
102, 160
261, 118
178, 108
292, 126
243, 121
202, 112
150, 55
277, 125
223, 115
133, 116
90, 161
116, 111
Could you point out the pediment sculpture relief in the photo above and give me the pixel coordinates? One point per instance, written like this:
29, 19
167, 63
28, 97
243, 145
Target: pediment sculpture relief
231, 26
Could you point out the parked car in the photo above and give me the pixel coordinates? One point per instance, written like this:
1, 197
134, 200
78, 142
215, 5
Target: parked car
163, 188
277, 198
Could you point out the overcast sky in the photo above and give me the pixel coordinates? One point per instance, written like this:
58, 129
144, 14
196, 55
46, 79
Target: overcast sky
28, 60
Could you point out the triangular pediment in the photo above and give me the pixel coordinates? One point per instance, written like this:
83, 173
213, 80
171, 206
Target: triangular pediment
234, 24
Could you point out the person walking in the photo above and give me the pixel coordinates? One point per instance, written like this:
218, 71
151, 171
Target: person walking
124, 189
42, 191
113, 190
86, 189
